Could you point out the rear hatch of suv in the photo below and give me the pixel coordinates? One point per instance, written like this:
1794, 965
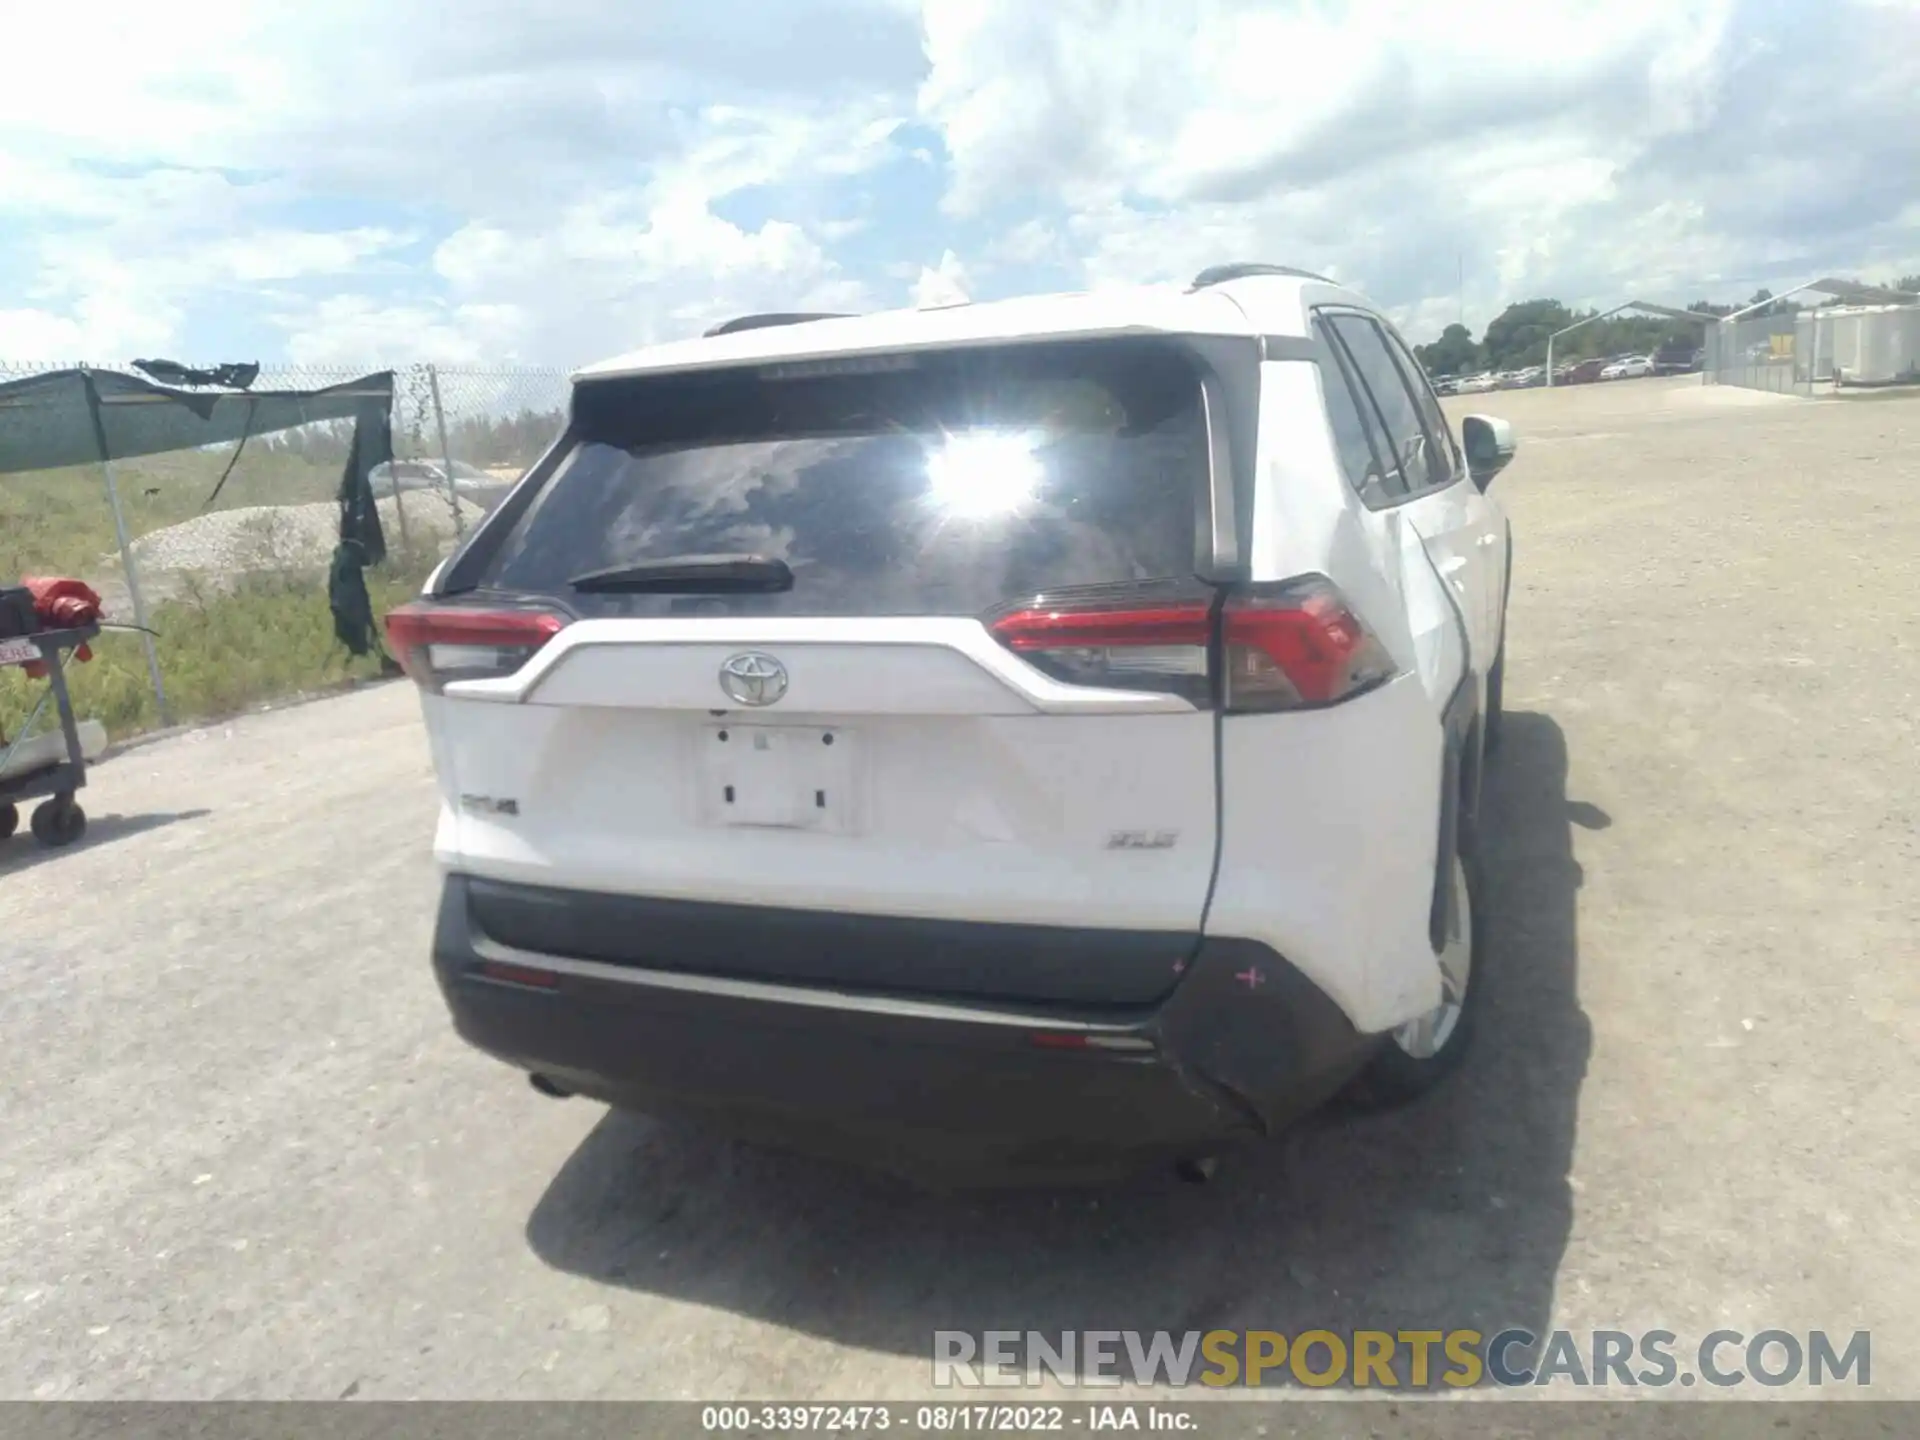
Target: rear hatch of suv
888, 673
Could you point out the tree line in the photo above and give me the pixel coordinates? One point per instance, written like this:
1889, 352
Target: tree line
1517, 336
485, 441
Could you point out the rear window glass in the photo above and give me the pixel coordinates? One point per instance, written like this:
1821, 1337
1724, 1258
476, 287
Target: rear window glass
935, 484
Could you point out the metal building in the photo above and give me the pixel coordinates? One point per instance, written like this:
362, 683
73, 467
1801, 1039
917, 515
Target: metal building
1871, 332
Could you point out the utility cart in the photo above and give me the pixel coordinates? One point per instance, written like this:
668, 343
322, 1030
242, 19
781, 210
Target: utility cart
58, 819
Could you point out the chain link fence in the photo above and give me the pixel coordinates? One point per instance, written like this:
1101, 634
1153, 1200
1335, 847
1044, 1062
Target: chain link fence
229, 545
1763, 352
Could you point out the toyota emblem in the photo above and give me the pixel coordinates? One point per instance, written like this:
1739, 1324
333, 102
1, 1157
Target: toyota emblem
753, 679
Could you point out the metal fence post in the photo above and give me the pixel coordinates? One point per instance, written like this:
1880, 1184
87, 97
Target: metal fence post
393, 471
446, 451
133, 592
400, 513
99, 425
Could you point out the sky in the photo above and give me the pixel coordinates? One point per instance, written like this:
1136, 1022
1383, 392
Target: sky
499, 182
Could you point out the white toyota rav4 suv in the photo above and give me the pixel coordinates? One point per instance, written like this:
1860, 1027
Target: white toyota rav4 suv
995, 742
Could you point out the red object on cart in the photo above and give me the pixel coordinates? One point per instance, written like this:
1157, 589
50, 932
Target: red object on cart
61, 604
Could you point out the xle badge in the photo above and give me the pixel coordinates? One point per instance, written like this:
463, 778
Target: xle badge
1143, 839
488, 805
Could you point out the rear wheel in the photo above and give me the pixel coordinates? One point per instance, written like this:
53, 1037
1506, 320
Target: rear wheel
1416, 1056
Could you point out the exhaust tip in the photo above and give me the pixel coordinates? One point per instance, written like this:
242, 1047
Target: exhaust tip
552, 1089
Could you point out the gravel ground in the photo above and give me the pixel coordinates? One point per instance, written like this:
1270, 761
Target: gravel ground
245, 1157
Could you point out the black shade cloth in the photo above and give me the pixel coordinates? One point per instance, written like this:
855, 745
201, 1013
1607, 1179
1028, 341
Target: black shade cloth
172, 372
362, 541
45, 421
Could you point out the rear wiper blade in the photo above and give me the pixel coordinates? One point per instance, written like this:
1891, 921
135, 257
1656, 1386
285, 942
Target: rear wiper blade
692, 575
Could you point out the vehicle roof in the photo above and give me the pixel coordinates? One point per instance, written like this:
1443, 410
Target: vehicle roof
1250, 306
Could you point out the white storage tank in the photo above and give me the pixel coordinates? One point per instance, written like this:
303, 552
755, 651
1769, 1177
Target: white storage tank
1875, 344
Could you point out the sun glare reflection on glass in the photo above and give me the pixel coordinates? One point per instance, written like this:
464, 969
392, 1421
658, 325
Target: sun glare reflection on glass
982, 474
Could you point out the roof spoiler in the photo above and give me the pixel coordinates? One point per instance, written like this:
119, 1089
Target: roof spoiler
767, 321
1220, 274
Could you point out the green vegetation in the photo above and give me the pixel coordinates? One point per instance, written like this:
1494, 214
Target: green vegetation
1517, 336
222, 647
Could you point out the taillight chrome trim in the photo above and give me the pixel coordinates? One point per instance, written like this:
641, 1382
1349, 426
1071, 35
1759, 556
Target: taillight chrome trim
1127, 638
1042, 627
1258, 648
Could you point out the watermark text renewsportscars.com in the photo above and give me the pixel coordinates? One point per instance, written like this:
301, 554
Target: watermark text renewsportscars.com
1401, 1359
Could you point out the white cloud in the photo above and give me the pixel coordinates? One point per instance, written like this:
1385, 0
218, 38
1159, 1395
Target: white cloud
655, 261
944, 284
34, 336
581, 152
555, 182
352, 330
1561, 147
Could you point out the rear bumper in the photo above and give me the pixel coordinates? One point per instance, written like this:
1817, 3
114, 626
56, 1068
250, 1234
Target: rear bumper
955, 1092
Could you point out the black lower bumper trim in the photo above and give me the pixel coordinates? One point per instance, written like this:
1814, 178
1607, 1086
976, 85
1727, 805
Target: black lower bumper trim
951, 1091
1046, 964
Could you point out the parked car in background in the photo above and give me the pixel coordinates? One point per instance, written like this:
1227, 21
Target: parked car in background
470, 483
1585, 372
1478, 384
917, 737
1678, 359
1527, 379
1630, 367
1446, 385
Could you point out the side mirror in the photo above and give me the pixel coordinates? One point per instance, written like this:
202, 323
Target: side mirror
1489, 444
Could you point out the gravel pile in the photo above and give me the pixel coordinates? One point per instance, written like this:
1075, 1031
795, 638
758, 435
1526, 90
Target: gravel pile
219, 548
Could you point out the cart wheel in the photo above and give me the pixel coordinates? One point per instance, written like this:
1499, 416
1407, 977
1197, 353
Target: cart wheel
59, 822
9, 820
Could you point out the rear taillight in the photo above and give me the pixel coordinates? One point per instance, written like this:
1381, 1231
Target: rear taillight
439, 644
1294, 646
1288, 646
1115, 644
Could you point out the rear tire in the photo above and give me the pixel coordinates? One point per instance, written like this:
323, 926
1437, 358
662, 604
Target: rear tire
1417, 1056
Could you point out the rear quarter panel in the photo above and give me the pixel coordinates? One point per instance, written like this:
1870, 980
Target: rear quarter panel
1329, 819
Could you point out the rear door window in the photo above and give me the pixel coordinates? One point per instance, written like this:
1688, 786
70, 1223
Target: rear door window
937, 484
1380, 378
1365, 456
1445, 452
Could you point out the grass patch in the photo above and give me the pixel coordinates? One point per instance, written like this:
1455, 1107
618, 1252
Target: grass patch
270, 635
218, 655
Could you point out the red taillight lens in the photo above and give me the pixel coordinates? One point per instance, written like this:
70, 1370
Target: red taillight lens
1296, 645
439, 644
1116, 644
1287, 646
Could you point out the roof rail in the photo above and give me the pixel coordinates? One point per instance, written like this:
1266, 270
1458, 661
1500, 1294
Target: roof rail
1220, 274
762, 322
